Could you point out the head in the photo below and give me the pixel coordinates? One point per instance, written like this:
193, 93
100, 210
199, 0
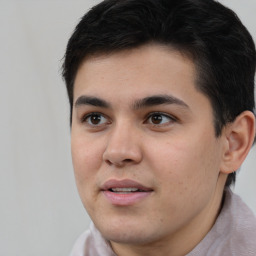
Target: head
162, 98
209, 34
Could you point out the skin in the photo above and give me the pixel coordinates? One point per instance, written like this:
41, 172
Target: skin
176, 154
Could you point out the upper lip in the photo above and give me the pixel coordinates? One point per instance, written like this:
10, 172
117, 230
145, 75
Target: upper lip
126, 183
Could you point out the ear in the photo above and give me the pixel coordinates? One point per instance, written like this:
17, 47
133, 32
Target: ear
238, 136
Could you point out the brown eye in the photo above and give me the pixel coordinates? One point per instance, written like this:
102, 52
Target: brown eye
95, 119
156, 119
160, 119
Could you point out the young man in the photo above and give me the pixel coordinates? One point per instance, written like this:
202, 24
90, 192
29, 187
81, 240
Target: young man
162, 100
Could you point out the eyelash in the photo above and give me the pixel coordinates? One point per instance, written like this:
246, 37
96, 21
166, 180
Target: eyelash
171, 118
86, 118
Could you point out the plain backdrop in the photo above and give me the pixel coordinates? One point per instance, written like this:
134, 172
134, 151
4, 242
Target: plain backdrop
40, 212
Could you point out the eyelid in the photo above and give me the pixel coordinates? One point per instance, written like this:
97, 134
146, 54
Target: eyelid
171, 117
86, 116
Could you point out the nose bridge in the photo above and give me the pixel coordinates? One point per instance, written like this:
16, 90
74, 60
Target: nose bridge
123, 144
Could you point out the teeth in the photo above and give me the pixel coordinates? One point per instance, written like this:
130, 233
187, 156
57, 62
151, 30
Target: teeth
124, 190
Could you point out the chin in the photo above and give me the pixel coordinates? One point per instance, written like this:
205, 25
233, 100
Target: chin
130, 237
127, 234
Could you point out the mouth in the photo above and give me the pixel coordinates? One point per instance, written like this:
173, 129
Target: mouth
124, 186
125, 192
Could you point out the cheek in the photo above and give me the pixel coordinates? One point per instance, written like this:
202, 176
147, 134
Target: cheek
186, 177
183, 165
86, 159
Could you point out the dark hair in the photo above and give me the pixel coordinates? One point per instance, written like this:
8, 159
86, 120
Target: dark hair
207, 32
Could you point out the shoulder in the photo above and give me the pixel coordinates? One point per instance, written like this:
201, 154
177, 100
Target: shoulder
242, 226
84, 240
91, 243
234, 232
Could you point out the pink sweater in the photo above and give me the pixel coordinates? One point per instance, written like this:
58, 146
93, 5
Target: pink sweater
233, 234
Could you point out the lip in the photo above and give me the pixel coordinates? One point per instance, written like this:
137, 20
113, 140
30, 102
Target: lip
124, 184
125, 199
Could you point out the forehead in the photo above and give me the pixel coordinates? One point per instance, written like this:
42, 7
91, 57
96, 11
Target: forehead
150, 62
138, 73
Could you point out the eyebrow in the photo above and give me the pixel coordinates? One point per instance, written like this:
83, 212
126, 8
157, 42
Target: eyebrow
93, 101
138, 104
158, 100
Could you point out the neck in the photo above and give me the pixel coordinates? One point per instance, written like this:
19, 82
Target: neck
184, 240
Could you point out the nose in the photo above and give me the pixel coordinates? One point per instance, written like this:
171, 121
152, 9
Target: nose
123, 146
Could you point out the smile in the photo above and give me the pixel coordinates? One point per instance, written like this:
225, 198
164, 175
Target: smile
124, 192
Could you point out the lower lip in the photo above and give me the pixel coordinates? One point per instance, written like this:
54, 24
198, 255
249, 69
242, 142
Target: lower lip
125, 199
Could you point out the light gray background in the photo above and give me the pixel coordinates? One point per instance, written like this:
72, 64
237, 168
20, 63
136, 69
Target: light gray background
40, 212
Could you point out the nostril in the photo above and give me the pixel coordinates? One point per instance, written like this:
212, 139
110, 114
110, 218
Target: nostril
118, 164
127, 160
108, 162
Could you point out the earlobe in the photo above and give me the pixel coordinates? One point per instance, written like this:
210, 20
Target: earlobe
239, 137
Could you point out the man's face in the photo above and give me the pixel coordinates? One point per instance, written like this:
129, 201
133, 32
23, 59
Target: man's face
145, 156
